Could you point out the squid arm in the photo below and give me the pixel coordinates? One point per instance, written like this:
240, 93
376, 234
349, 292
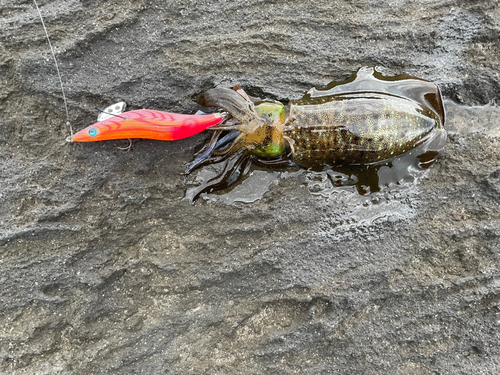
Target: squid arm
149, 124
232, 101
233, 168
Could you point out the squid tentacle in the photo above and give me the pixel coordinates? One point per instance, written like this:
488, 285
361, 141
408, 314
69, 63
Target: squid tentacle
204, 156
237, 144
231, 172
226, 140
216, 157
232, 102
279, 162
207, 148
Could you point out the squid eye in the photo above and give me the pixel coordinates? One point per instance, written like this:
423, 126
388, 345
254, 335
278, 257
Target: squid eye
92, 132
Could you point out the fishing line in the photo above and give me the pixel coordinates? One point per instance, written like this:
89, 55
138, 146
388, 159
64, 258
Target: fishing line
68, 124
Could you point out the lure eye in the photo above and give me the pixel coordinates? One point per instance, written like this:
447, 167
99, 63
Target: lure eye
92, 132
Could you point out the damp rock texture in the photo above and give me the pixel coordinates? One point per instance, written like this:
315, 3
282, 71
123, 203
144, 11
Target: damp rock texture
104, 269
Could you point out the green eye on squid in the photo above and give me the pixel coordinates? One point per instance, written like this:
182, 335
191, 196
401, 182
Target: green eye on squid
271, 150
273, 110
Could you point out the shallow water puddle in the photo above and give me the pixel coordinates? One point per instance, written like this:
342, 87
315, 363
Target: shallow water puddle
466, 120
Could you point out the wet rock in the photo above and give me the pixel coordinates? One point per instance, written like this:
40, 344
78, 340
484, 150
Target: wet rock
104, 269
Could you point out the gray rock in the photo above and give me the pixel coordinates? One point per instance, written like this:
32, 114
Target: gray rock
104, 269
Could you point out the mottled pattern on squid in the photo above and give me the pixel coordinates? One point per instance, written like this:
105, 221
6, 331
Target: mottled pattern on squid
356, 128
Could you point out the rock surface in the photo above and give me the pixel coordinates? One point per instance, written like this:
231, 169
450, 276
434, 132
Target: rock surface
104, 269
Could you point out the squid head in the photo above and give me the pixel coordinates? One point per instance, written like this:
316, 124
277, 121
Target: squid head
255, 135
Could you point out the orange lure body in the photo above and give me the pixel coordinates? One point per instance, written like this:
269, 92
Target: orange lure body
149, 124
